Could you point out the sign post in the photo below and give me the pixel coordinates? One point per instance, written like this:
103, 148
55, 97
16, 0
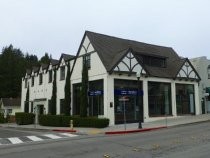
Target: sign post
124, 99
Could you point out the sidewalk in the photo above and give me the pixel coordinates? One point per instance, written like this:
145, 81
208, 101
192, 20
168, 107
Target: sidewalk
120, 129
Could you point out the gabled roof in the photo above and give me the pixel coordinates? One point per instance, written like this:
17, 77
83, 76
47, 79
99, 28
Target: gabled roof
11, 101
111, 49
66, 57
35, 69
54, 62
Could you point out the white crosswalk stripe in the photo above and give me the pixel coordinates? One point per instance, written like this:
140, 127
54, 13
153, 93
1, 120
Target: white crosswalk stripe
52, 136
69, 134
19, 140
34, 138
15, 140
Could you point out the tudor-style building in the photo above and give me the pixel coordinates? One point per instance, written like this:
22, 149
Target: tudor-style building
39, 81
168, 84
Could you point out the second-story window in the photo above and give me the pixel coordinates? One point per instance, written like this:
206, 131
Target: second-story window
32, 81
208, 72
26, 82
86, 60
40, 79
62, 73
50, 76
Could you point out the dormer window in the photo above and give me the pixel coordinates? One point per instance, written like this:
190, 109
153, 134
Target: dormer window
208, 72
40, 79
26, 82
62, 73
50, 76
154, 61
32, 81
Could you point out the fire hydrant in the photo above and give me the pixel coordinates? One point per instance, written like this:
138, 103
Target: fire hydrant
71, 124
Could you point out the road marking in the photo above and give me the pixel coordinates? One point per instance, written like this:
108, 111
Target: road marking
34, 138
52, 136
15, 140
68, 134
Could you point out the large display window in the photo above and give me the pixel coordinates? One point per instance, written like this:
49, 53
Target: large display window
159, 99
127, 100
95, 98
185, 99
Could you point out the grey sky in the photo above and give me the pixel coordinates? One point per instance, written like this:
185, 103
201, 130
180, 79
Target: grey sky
57, 26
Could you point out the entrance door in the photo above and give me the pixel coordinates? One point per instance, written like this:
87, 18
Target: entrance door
132, 112
39, 111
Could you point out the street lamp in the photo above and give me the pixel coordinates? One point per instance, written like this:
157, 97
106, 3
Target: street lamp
138, 75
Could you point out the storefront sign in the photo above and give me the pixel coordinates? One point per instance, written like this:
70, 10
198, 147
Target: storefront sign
128, 92
95, 93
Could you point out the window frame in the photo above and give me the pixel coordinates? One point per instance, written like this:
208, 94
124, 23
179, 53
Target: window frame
32, 81
40, 79
62, 73
87, 60
50, 76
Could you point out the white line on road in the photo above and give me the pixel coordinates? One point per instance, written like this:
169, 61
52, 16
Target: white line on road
52, 136
34, 138
68, 134
15, 140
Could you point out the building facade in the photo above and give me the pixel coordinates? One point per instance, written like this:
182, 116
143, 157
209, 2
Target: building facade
202, 66
167, 85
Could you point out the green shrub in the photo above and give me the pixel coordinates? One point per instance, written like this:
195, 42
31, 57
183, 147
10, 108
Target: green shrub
2, 119
64, 121
24, 118
50, 120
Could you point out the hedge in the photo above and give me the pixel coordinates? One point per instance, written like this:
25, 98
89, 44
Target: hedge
64, 121
24, 118
2, 119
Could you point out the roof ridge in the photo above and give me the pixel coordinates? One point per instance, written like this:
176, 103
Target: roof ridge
128, 40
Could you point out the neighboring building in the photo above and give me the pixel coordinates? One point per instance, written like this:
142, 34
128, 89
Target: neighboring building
40, 79
202, 66
10, 105
168, 84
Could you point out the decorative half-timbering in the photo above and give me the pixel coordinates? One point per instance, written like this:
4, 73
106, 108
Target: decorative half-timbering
129, 64
187, 71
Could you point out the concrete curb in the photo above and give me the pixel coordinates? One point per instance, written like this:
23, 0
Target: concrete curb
64, 130
135, 131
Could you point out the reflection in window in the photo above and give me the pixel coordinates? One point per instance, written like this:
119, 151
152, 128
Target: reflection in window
159, 97
185, 101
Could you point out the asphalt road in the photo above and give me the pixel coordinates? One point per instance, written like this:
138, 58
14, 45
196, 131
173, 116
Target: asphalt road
191, 141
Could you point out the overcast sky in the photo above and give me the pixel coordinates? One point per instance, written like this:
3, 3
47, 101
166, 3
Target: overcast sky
57, 26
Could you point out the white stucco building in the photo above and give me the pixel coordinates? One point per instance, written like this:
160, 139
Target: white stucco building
168, 84
202, 66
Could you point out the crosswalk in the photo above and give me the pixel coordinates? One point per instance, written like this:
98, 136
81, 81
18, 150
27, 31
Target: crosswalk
37, 138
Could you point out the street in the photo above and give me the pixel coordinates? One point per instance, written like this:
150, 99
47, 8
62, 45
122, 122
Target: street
191, 141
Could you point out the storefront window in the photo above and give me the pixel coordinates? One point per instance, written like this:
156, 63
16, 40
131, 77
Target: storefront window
159, 98
95, 98
185, 101
128, 95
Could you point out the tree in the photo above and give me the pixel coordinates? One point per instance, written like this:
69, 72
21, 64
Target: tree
45, 59
12, 69
54, 95
26, 109
67, 99
84, 91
